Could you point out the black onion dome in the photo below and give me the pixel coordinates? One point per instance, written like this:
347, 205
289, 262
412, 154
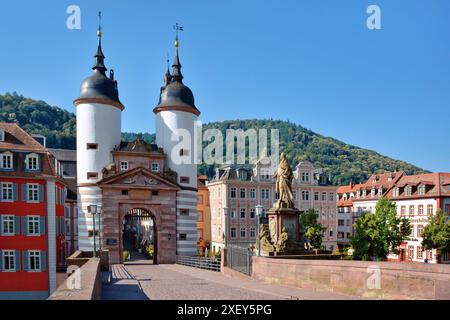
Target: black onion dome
175, 93
99, 86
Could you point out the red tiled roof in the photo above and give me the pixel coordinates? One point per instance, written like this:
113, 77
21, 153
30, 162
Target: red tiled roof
17, 139
436, 183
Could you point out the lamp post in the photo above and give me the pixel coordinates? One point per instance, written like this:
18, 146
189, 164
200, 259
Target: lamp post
99, 212
225, 216
260, 214
92, 209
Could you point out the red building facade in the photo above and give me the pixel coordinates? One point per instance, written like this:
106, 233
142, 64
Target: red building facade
32, 197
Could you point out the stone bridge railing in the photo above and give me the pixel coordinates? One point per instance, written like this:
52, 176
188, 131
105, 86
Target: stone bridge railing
386, 280
85, 281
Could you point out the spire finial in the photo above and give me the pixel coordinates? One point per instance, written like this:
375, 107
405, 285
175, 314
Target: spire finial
99, 30
176, 74
167, 76
99, 56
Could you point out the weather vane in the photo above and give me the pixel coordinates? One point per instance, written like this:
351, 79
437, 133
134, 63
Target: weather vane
177, 28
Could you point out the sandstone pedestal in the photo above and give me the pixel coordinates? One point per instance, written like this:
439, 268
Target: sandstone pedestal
285, 219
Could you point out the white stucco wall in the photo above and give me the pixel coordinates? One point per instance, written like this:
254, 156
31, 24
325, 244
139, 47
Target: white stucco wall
101, 124
168, 123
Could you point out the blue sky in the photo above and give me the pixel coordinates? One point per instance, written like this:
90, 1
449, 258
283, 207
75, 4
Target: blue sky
312, 62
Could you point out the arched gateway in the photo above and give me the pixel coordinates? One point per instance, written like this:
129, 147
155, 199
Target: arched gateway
139, 235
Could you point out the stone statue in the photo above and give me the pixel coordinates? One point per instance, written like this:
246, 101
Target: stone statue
283, 184
281, 244
264, 237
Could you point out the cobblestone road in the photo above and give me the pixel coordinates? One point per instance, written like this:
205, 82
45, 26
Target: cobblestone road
176, 282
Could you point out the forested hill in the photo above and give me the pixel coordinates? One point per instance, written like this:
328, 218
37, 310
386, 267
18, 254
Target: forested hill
342, 162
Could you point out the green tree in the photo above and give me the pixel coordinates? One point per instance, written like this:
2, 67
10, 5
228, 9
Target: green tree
311, 228
380, 233
436, 234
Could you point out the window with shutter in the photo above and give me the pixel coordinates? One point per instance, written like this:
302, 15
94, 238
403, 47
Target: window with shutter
43, 261
25, 225
15, 192
17, 225
42, 226
41, 193
17, 259
25, 260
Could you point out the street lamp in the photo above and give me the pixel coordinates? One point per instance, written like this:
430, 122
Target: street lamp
92, 209
225, 216
260, 214
99, 212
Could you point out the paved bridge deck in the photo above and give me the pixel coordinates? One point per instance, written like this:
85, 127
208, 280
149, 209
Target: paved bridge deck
175, 282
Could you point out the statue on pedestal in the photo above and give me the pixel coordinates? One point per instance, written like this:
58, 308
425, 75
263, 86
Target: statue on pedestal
283, 184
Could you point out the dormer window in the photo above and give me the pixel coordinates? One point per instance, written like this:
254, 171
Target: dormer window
372, 193
344, 197
242, 174
396, 192
32, 162
408, 190
380, 192
364, 192
265, 174
6, 160
422, 190
358, 194
2, 135
305, 176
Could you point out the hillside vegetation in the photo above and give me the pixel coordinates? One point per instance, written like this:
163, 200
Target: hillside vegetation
341, 162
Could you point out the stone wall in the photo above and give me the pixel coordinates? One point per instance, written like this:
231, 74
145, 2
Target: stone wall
84, 284
397, 280
78, 258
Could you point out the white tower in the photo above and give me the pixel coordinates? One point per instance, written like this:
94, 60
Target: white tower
175, 116
98, 132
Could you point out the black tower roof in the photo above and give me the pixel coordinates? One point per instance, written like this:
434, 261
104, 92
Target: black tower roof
175, 93
98, 85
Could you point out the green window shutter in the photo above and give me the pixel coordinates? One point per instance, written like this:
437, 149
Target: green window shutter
17, 259
43, 260
1, 260
25, 260
24, 192
1, 189
25, 225
15, 192
17, 225
41, 193
1, 225
42, 226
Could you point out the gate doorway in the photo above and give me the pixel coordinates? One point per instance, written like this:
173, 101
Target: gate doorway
139, 237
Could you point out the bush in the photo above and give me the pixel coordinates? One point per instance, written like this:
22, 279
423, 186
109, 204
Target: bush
126, 255
150, 250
